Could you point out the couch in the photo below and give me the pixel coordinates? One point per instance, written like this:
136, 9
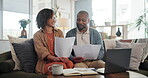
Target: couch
25, 52
7, 65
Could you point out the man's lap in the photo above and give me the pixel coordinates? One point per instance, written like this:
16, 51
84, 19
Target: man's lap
90, 64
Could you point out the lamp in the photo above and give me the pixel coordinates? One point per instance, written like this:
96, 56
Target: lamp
63, 23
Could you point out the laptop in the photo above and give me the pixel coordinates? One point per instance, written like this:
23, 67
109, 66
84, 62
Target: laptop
117, 60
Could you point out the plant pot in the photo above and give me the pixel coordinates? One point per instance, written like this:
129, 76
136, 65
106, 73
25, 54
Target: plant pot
23, 33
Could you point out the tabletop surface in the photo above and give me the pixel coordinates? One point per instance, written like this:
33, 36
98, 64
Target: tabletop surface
128, 74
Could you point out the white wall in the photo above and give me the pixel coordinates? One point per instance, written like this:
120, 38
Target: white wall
85, 5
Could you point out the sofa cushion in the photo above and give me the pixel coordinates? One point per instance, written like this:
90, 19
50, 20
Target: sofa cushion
7, 66
137, 50
109, 43
5, 56
145, 50
128, 40
123, 44
26, 54
14, 57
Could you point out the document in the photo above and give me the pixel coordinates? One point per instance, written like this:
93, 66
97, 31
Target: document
78, 71
63, 46
89, 52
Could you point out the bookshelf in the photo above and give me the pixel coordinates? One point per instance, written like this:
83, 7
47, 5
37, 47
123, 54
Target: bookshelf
111, 30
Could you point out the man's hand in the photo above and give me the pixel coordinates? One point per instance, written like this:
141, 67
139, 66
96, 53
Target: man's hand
78, 59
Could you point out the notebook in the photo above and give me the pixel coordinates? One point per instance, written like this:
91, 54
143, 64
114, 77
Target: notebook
79, 71
117, 60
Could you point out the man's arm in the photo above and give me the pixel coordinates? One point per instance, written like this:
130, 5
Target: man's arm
100, 42
96, 39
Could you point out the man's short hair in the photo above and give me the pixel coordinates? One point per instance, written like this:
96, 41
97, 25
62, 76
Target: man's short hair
83, 12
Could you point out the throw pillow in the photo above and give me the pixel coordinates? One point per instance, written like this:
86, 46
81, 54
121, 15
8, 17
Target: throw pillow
14, 57
109, 43
123, 44
137, 50
26, 54
145, 50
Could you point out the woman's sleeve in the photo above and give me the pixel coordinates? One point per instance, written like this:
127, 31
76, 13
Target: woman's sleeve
40, 47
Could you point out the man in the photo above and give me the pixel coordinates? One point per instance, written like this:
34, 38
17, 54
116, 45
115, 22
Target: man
85, 35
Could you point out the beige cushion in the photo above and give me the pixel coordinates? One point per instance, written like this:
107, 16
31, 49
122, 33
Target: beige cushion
145, 50
145, 53
14, 57
136, 54
123, 44
110, 43
137, 51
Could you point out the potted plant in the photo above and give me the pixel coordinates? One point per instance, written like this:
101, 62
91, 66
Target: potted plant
23, 24
57, 13
141, 21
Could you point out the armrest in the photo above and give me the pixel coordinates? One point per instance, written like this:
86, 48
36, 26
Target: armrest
5, 56
7, 66
144, 65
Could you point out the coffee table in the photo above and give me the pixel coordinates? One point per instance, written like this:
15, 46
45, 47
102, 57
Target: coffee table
128, 74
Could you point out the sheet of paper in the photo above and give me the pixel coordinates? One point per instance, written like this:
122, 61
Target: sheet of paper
63, 46
89, 52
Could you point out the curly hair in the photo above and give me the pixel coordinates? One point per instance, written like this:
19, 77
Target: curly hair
43, 16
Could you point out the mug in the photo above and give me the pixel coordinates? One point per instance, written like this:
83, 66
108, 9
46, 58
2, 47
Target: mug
56, 69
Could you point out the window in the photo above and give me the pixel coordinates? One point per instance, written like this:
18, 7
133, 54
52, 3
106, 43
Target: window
122, 11
13, 11
102, 11
127, 12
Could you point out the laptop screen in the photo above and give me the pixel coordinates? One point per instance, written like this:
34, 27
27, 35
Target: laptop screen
117, 60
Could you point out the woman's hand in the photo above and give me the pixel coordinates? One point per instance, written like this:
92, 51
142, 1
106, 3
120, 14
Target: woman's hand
64, 59
53, 58
56, 59
78, 59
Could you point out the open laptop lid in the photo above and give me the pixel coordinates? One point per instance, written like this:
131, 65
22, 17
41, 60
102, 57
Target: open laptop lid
117, 60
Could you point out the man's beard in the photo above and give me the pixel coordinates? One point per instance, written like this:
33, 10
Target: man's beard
79, 28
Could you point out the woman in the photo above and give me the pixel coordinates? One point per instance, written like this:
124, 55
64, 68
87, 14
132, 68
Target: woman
44, 42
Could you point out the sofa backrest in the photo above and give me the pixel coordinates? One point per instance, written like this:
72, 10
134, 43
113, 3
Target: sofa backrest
5, 56
111, 43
